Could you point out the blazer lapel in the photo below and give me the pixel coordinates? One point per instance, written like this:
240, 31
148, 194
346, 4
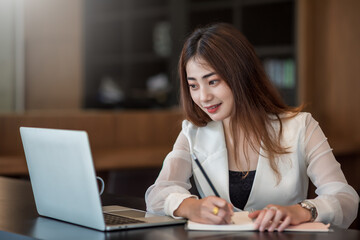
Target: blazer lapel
210, 148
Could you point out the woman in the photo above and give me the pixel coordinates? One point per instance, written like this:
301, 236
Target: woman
258, 152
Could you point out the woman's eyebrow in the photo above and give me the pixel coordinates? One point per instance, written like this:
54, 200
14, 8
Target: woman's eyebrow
208, 75
203, 77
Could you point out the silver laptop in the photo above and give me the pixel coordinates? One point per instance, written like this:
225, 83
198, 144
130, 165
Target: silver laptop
64, 183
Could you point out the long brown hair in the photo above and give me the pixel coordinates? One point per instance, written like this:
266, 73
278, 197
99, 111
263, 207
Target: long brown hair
257, 103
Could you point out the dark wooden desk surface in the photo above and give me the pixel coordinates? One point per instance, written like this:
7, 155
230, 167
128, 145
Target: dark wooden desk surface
19, 220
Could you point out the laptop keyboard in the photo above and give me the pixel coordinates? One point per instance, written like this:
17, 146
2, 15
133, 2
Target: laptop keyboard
117, 220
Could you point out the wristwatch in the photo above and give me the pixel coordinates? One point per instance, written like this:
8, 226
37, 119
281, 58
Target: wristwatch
311, 207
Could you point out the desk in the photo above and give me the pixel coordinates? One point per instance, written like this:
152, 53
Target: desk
19, 220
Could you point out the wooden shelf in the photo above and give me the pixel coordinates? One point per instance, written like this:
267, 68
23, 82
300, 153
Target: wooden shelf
125, 59
210, 5
268, 51
126, 15
123, 139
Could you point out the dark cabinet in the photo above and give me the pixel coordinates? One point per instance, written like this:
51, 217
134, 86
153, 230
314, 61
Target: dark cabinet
131, 47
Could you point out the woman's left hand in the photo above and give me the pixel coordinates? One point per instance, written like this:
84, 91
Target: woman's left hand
279, 217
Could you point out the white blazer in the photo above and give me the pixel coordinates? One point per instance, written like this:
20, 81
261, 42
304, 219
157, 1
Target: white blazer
208, 144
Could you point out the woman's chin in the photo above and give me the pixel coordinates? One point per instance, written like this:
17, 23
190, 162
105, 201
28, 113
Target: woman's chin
216, 118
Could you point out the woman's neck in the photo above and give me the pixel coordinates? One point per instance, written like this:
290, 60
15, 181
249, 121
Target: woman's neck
242, 164
226, 126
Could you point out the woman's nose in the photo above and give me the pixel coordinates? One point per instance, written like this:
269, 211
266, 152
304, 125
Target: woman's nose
205, 95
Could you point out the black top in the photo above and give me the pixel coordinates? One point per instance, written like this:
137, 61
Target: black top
240, 187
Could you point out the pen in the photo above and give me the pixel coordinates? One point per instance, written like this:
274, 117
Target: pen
205, 175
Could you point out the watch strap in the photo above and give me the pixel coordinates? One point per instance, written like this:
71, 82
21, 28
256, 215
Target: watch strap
311, 207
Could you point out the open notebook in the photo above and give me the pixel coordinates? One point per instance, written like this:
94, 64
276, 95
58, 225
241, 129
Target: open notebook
243, 223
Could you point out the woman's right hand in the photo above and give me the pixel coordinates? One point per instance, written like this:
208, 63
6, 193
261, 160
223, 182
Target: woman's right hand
202, 210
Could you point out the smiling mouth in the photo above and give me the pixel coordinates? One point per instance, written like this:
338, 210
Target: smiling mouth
213, 108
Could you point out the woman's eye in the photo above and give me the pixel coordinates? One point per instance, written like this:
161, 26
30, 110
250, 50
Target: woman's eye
213, 82
192, 86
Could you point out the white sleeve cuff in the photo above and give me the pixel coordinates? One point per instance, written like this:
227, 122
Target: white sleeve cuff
334, 208
327, 208
173, 201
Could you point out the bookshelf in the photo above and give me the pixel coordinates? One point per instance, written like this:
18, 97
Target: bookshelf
127, 46
269, 25
132, 46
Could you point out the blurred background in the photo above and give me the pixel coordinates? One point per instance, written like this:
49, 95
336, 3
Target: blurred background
109, 67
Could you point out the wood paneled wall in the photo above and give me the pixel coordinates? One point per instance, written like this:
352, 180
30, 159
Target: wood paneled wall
53, 54
329, 72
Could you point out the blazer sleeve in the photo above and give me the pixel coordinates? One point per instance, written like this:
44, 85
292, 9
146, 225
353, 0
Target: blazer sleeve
337, 202
173, 183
